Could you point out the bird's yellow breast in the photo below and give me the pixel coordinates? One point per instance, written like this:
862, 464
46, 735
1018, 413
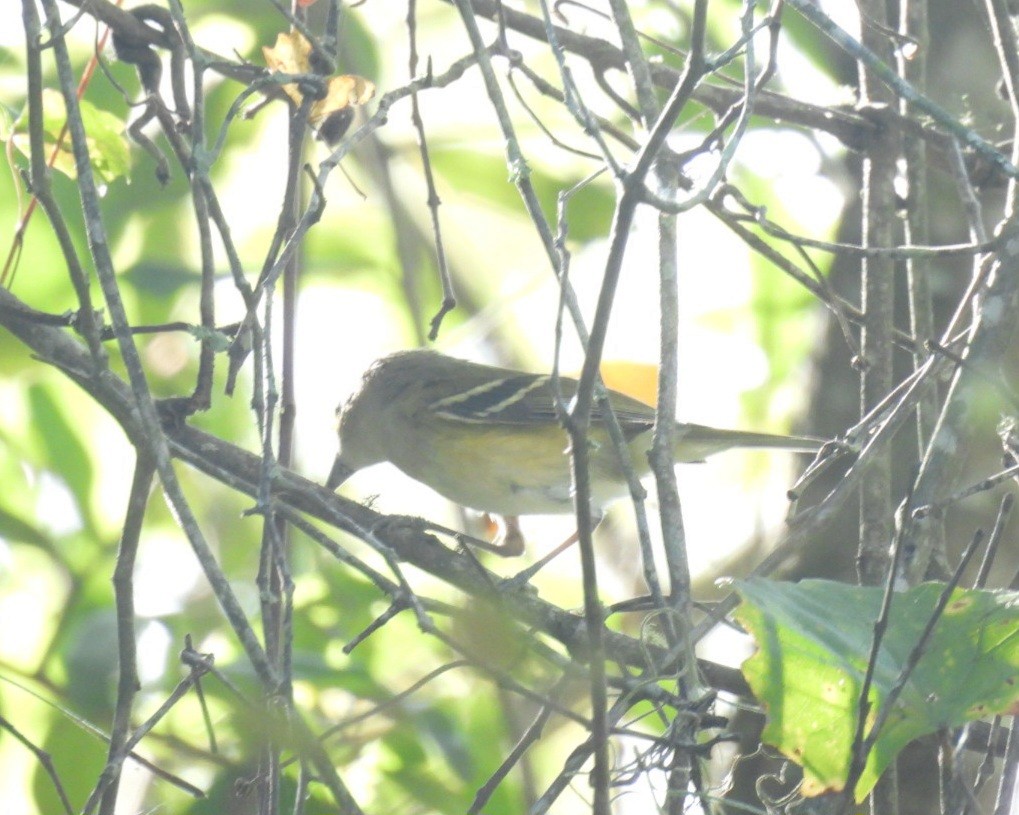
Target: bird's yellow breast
505, 469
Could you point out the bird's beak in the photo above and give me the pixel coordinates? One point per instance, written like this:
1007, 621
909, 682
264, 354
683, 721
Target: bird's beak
340, 472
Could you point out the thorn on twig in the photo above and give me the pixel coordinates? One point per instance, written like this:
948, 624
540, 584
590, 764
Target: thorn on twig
448, 304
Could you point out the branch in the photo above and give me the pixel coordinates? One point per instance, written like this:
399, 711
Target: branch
241, 470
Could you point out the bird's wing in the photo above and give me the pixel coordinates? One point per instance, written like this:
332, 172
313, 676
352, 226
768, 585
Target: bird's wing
527, 399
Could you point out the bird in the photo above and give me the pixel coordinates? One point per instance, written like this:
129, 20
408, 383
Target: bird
489, 438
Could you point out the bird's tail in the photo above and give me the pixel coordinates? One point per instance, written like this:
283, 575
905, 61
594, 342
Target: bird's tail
695, 442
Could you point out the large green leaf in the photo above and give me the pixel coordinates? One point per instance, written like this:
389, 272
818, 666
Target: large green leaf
107, 146
813, 641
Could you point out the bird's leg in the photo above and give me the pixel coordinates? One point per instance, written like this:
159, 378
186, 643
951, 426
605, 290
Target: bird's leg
525, 575
510, 540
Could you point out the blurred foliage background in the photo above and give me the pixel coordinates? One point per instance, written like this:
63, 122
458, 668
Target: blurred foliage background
756, 350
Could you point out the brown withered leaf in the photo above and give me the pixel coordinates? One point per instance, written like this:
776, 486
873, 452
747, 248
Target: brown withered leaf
291, 55
343, 91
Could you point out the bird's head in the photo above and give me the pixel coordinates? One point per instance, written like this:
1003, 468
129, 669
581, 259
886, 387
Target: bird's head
363, 420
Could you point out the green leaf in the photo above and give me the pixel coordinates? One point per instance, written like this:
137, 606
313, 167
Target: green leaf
17, 498
446, 732
813, 641
77, 758
60, 439
160, 279
108, 150
7, 120
486, 177
14, 528
428, 793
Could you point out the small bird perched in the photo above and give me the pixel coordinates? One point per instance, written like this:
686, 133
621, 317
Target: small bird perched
488, 438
